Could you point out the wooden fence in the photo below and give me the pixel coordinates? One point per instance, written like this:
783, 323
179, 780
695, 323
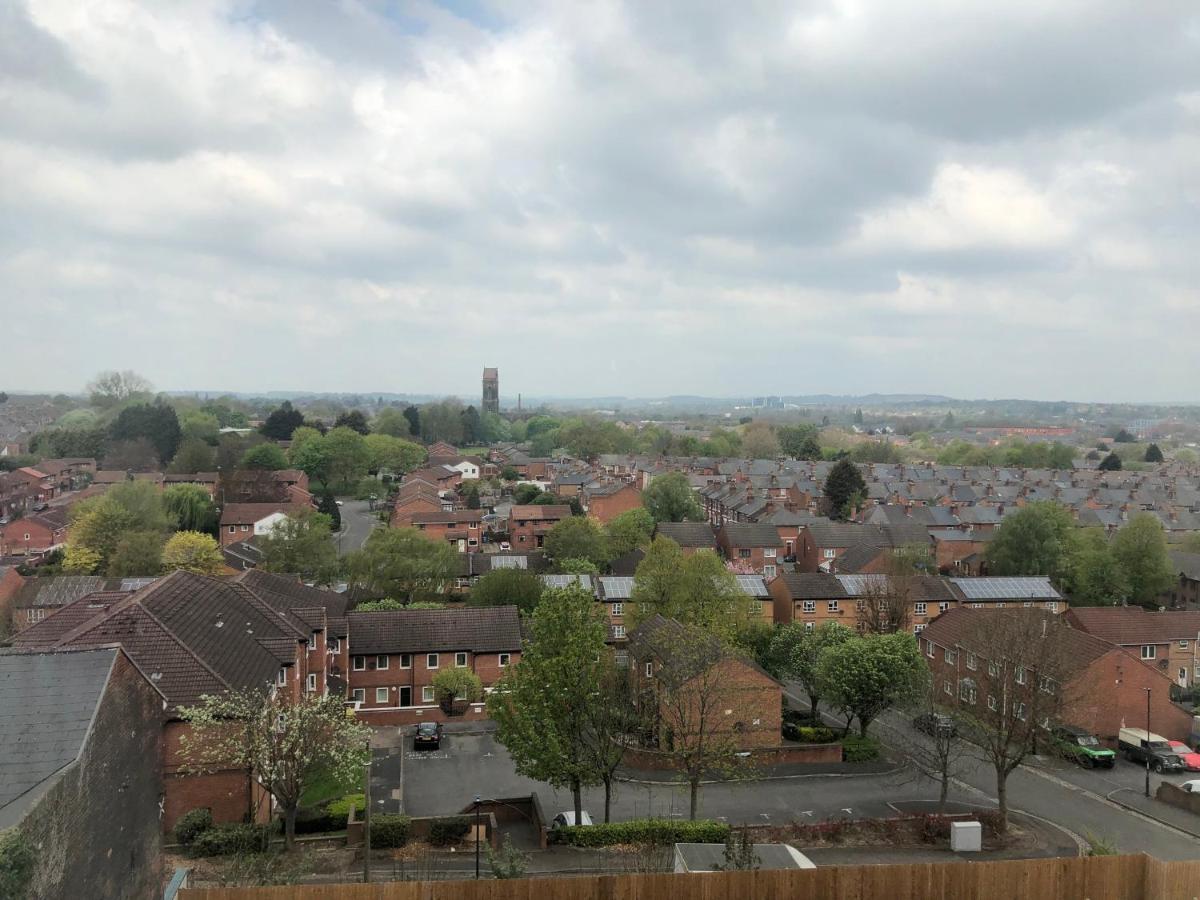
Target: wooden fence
1096, 878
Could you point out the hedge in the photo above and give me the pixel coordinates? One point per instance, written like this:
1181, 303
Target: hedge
389, 831
808, 734
221, 840
443, 832
191, 825
859, 749
641, 831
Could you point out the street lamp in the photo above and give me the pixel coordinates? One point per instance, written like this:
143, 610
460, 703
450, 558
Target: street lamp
1147, 690
477, 801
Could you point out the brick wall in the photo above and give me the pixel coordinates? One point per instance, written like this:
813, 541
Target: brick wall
605, 508
97, 831
412, 671
229, 793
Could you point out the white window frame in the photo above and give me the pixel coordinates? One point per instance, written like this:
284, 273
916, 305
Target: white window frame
920, 609
947, 689
359, 695
950, 656
992, 704
1149, 652
943, 606
310, 684
649, 670
768, 571
993, 669
432, 656
427, 693
460, 655
382, 662
281, 677
312, 641
769, 553
917, 629
929, 651
829, 553
832, 606
1183, 645
1021, 676
617, 609
971, 662
618, 632
334, 645
358, 663
808, 627
406, 660
808, 606
504, 659
1021, 712
386, 695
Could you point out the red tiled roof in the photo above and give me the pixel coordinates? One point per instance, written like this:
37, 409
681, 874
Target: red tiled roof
477, 630
540, 512
968, 628
1128, 625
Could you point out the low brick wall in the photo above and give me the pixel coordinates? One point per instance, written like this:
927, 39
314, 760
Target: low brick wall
650, 760
411, 715
1177, 796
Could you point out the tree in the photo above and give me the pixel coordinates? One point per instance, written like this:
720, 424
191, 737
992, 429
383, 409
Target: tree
327, 505
609, 719
577, 538
1140, 547
403, 563
507, 587
938, 755
866, 675
156, 422
138, 455
100, 523
112, 388
574, 566
845, 488
739, 854
192, 456
1124, 437
630, 530
391, 422
309, 454
414, 420
1094, 575
472, 493
858, 416
1110, 463
508, 473
759, 441
196, 425
354, 419
800, 441
442, 421
390, 454
281, 422
56, 443
265, 456
348, 458
1153, 454
695, 590
540, 705
523, 494
81, 560
797, 654
137, 553
192, 551
472, 425
1035, 540
456, 684
190, 507
887, 604
670, 498
286, 743
299, 544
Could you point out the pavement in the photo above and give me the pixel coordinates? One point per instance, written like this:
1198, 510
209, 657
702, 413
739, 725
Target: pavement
358, 521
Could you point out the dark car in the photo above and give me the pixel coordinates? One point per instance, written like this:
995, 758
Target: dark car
934, 724
1082, 746
428, 737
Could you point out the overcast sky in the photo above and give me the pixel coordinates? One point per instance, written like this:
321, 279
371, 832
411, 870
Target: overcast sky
978, 199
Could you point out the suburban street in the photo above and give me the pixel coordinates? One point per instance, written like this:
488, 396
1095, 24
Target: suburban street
357, 523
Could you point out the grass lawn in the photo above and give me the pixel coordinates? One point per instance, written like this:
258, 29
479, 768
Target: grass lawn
327, 788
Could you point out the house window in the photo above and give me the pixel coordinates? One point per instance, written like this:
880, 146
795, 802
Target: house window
992, 702
406, 660
618, 632
311, 684
431, 660
1027, 604
381, 695
381, 662
358, 663
768, 571
1183, 645
769, 552
1182, 675
743, 554
359, 695
1046, 684
808, 606
950, 656
312, 641
917, 629
966, 691
976, 606
1022, 712
649, 670
929, 649
832, 606
947, 689
28, 536
460, 660
860, 605
427, 694
281, 677
971, 661
1021, 675
994, 669
808, 627
943, 606
334, 645
1052, 606
245, 528
233, 529
1149, 651
919, 609
829, 554
618, 609
505, 658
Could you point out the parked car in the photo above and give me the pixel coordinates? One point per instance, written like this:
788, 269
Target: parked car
40, 505
932, 724
1192, 787
428, 736
1140, 746
564, 819
1082, 746
1191, 759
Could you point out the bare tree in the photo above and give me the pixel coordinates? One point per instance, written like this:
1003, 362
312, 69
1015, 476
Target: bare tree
112, 388
610, 722
886, 604
939, 752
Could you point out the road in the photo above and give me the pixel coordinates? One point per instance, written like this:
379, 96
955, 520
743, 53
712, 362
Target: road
357, 523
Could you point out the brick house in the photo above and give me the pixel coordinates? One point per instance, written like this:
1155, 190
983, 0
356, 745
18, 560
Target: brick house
415, 498
395, 654
241, 521
1166, 640
1186, 592
35, 533
527, 525
751, 547
1001, 591
206, 480
726, 695
463, 528
1103, 690
690, 536
815, 597
608, 499
79, 740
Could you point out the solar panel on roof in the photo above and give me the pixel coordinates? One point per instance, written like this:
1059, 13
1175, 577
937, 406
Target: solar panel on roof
510, 562
753, 585
857, 585
617, 587
1006, 588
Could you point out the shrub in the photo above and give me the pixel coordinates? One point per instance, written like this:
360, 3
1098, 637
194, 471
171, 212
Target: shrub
808, 734
389, 831
317, 820
451, 684
859, 749
221, 840
450, 830
191, 824
641, 831
16, 863
341, 807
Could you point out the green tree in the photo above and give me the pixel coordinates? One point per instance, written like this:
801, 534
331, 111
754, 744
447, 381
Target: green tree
156, 422
574, 566
577, 538
670, 498
196, 425
472, 495
1153, 454
507, 587
1035, 540
348, 458
192, 456
472, 425
266, 456
192, 551
1124, 437
403, 563
390, 454
288, 744
866, 675
85, 441
300, 544
1094, 575
456, 684
1140, 547
354, 419
137, 553
800, 441
540, 705
282, 421
81, 561
309, 454
759, 441
327, 504
442, 421
796, 653
414, 420
630, 530
844, 489
391, 422
112, 388
190, 507
694, 590
1110, 463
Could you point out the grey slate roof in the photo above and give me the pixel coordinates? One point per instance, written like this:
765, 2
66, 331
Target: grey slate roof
56, 590
490, 629
744, 534
689, 534
47, 703
813, 586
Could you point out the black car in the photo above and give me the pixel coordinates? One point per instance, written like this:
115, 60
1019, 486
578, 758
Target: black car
934, 724
428, 737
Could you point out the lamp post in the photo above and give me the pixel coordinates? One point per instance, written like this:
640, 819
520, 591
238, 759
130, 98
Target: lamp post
367, 817
477, 837
1147, 690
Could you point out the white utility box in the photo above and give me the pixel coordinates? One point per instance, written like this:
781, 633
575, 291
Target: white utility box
966, 837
